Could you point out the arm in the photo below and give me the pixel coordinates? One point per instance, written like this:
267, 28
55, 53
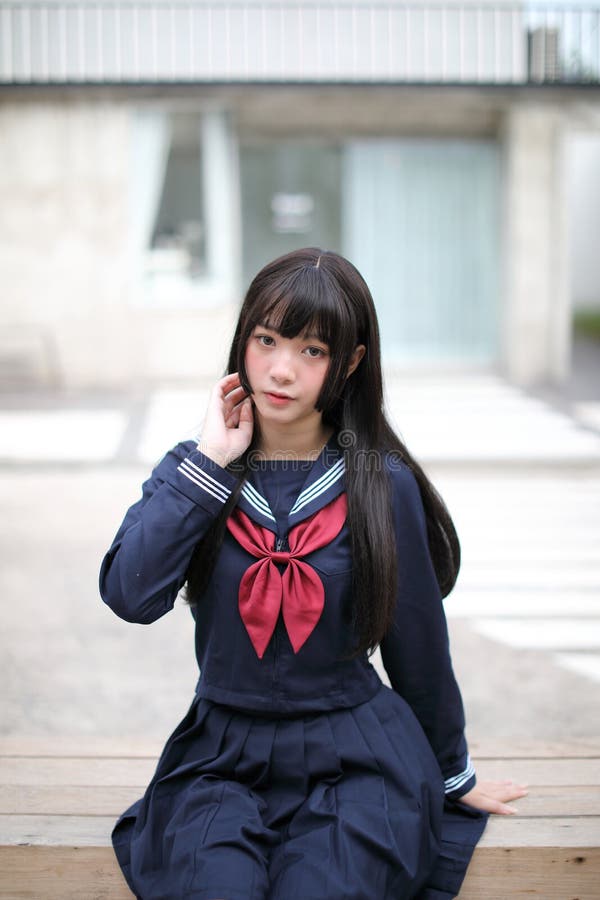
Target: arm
416, 657
147, 562
415, 651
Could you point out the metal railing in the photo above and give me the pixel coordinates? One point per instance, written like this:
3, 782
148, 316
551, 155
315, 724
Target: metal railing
301, 41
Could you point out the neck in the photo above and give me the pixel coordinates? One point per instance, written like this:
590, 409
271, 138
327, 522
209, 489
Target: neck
289, 443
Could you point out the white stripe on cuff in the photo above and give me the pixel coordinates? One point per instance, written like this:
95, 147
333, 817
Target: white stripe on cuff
203, 480
189, 463
454, 783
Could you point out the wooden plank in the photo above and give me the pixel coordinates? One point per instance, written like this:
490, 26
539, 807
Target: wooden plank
99, 800
519, 874
61, 873
77, 771
531, 833
56, 831
48, 873
522, 748
138, 772
68, 800
135, 747
81, 745
541, 771
502, 831
557, 801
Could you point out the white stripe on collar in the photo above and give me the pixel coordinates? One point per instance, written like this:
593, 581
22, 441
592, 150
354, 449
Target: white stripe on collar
319, 486
257, 500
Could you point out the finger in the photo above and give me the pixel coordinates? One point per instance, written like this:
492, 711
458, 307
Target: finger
233, 419
229, 382
504, 810
241, 416
230, 377
234, 398
245, 408
508, 795
223, 387
500, 788
516, 794
491, 805
231, 414
227, 390
508, 790
246, 422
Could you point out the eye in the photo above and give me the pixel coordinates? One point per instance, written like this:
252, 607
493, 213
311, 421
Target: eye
265, 340
315, 352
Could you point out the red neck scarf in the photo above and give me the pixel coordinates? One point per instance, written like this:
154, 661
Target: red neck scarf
298, 591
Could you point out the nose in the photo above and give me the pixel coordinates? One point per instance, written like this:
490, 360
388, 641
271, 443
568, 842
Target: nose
282, 368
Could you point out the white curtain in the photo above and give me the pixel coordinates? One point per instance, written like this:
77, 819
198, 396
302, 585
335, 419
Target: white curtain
151, 143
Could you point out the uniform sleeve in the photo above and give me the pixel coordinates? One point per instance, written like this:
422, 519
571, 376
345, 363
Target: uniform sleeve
415, 651
147, 563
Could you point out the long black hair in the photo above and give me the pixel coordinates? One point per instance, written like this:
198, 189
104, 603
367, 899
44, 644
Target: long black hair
320, 291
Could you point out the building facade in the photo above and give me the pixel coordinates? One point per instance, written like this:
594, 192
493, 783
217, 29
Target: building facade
154, 156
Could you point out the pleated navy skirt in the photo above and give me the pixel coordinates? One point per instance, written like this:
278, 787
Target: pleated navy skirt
340, 805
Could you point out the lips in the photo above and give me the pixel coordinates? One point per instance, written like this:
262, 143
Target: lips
278, 399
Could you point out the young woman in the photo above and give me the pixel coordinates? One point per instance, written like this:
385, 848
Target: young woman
306, 535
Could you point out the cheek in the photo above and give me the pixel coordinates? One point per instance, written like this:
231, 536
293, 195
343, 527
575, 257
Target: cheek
251, 363
318, 379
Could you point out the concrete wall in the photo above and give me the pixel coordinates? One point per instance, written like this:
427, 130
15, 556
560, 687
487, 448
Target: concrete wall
68, 311
536, 307
63, 191
71, 313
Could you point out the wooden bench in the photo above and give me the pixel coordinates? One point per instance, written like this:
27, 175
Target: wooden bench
59, 800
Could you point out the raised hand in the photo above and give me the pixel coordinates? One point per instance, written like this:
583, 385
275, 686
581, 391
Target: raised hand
228, 424
493, 796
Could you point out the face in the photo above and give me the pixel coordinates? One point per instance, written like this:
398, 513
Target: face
286, 375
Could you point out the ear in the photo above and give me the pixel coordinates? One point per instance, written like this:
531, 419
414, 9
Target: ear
358, 354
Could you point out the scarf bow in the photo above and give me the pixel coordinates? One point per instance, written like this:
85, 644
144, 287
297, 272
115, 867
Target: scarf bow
298, 591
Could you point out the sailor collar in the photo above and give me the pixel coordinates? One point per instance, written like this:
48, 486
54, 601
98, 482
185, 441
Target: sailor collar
324, 482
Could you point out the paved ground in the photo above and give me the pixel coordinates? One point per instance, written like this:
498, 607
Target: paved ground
520, 473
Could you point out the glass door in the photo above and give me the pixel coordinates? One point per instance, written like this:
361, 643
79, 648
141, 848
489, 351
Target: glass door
290, 199
421, 222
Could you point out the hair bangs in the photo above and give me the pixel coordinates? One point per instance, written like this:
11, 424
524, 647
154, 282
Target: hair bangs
304, 303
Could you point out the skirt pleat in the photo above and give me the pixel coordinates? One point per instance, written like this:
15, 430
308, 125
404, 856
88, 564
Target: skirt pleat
346, 804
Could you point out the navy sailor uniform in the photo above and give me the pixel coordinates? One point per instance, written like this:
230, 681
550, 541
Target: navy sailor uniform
295, 775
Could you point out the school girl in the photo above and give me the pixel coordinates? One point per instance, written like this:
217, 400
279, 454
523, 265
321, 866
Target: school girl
306, 535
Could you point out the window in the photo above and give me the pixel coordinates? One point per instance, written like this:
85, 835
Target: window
183, 210
177, 245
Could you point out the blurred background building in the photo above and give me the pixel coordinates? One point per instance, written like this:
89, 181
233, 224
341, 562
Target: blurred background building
153, 155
